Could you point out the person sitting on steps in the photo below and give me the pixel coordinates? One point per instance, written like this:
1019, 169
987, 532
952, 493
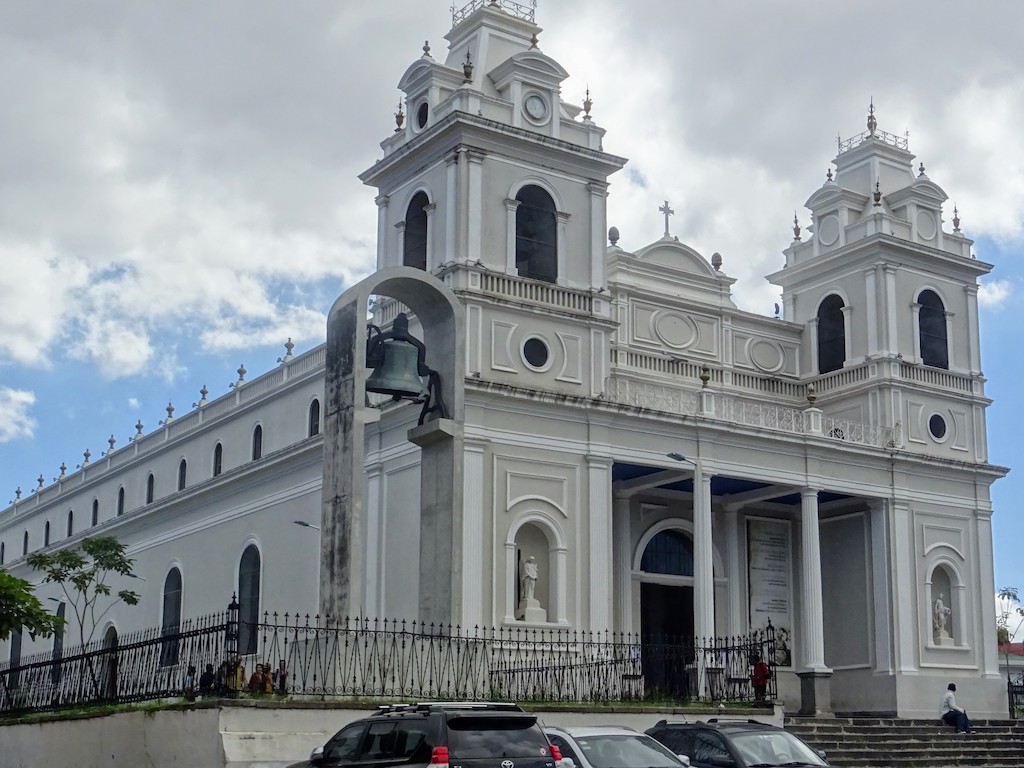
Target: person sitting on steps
953, 715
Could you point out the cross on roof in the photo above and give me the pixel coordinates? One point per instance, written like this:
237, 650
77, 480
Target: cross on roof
668, 212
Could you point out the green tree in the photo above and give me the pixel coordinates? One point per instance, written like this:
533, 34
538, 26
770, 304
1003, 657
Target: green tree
83, 573
19, 608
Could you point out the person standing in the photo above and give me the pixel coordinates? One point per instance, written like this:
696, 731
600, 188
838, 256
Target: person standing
953, 715
759, 677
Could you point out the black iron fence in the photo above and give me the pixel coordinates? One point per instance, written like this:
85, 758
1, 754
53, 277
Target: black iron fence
371, 658
1015, 695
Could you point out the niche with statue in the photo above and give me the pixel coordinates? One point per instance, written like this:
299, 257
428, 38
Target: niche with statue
532, 575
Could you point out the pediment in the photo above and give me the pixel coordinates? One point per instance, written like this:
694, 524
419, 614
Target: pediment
669, 252
532, 66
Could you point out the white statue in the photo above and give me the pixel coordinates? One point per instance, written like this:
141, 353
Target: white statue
940, 613
529, 585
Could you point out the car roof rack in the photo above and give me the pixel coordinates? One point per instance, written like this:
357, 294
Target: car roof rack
428, 706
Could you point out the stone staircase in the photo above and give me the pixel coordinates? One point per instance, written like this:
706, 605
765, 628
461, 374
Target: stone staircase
866, 742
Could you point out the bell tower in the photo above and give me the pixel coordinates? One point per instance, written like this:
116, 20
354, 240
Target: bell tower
888, 298
495, 185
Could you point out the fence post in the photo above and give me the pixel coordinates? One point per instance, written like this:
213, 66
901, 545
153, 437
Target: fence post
231, 648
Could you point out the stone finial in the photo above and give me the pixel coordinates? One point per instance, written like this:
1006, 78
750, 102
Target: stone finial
139, 426
811, 395
467, 68
796, 227
956, 220
716, 261
828, 175
534, 41
705, 376
241, 377
111, 441
202, 397
877, 194
587, 104
872, 122
426, 49
288, 347
86, 456
17, 493
613, 235
40, 480
920, 169
63, 470
399, 118
170, 413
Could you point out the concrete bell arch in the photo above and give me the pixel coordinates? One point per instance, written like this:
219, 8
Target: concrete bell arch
345, 415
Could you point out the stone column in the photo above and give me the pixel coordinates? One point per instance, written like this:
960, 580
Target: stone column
703, 556
599, 476
473, 546
815, 677
621, 541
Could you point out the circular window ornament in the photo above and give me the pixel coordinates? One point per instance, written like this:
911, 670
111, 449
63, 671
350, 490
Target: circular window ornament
536, 354
926, 225
937, 427
828, 230
536, 107
422, 115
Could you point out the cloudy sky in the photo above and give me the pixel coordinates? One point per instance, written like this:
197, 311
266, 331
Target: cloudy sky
178, 190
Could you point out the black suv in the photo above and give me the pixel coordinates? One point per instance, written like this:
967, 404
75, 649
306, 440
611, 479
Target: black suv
439, 735
720, 743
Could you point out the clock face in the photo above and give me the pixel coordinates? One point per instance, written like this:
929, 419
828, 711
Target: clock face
535, 106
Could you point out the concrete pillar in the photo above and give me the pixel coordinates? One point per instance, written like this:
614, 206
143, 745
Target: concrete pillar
599, 481
703, 556
815, 677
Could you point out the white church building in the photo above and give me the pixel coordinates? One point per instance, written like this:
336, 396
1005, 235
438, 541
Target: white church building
673, 465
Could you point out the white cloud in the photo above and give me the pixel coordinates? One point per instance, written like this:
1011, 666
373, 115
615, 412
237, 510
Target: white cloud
16, 420
133, 403
994, 294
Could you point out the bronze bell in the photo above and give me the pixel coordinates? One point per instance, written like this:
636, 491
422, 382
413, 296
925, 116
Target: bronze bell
397, 375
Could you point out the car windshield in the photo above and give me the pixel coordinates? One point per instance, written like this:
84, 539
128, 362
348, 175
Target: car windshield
625, 751
477, 737
767, 748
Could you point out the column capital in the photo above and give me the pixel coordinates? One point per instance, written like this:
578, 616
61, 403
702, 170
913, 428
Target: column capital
806, 492
381, 201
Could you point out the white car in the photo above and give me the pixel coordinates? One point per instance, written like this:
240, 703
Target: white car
610, 746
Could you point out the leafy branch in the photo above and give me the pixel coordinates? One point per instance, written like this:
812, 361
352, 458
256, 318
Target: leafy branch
82, 574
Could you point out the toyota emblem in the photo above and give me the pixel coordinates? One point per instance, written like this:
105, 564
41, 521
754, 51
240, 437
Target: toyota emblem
507, 764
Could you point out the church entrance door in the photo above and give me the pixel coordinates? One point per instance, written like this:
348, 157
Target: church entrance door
666, 614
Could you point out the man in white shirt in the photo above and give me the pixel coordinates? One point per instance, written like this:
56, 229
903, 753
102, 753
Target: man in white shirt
952, 714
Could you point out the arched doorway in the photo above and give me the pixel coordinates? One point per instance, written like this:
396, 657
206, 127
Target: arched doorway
666, 612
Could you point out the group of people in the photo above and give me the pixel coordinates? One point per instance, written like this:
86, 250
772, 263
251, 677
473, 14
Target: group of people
230, 680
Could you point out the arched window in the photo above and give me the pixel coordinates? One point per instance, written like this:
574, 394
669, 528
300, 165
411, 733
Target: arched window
24, 544
150, 485
831, 334
248, 599
536, 234
120, 501
71, 521
257, 443
95, 511
314, 418
46, 534
669, 552
182, 474
170, 626
932, 322
415, 252
218, 459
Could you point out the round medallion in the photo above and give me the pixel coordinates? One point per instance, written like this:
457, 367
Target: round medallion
536, 107
926, 225
828, 230
675, 330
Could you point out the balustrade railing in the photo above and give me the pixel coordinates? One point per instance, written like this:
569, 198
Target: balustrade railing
305, 656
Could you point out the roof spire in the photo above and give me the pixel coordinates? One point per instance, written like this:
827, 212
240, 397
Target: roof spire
668, 212
796, 227
872, 122
399, 117
828, 174
956, 220
587, 104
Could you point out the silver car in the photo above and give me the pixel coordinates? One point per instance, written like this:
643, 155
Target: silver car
609, 746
